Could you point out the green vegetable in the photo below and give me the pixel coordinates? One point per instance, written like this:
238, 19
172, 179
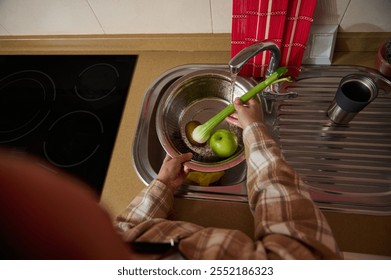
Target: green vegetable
202, 132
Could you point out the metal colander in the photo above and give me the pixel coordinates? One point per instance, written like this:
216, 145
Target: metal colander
198, 96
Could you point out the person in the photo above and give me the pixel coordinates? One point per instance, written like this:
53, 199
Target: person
288, 225
46, 214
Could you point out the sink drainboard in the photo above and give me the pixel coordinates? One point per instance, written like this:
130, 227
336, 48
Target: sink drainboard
347, 168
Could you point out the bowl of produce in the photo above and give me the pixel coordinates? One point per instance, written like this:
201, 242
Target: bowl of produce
192, 100
191, 117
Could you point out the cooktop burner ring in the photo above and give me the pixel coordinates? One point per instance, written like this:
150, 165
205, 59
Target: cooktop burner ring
73, 138
29, 108
97, 82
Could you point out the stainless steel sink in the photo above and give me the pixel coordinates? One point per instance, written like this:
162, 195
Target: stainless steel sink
348, 168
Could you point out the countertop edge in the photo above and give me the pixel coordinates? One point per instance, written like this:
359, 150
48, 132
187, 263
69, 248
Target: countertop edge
129, 43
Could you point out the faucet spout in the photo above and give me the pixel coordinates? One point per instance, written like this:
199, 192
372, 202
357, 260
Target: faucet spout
240, 59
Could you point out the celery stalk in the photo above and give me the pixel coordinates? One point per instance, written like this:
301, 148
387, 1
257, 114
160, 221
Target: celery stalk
202, 132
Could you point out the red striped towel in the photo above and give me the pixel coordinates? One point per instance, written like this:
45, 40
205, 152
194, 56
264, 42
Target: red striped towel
286, 23
297, 29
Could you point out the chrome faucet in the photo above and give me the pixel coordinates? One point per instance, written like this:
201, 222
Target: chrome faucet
272, 92
238, 61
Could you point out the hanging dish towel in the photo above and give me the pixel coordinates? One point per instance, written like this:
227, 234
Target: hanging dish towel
285, 22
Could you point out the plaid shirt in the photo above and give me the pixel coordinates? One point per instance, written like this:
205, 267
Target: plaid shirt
288, 225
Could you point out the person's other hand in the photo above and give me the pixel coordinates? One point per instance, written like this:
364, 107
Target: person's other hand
246, 113
173, 171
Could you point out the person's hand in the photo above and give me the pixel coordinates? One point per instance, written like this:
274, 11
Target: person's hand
173, 171
246, 113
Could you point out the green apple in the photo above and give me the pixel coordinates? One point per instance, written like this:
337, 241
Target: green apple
223, 143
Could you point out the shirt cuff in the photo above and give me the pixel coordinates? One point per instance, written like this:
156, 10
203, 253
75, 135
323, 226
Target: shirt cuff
250, 131
159, 184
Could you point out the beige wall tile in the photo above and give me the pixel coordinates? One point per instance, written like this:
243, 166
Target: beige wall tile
151, 16
37, 17
221, 11
57, 17
367, 16
330, 11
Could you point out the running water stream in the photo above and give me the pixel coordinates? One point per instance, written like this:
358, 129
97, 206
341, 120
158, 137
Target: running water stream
232, 87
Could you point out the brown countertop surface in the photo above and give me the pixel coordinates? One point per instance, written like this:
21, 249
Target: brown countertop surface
156, 54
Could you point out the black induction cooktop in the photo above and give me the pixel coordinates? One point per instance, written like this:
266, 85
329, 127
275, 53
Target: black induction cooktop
65, 109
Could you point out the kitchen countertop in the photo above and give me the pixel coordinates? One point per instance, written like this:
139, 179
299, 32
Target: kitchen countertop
158, 53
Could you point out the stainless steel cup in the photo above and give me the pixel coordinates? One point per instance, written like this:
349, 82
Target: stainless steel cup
354, 93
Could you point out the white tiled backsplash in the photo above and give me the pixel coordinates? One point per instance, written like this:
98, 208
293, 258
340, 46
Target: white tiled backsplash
56, 17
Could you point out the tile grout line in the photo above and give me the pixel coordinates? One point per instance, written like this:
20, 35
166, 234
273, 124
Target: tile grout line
211, 16
2, 26
96, 16
344, 12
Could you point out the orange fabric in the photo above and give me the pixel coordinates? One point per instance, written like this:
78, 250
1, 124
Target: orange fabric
45, 214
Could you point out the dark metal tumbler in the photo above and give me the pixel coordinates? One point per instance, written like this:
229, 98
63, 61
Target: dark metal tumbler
354, 93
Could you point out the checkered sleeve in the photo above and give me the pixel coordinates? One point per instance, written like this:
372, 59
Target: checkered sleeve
279, 200
155, 201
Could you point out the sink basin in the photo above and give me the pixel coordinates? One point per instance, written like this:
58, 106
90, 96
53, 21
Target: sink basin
347, 168
148, 154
